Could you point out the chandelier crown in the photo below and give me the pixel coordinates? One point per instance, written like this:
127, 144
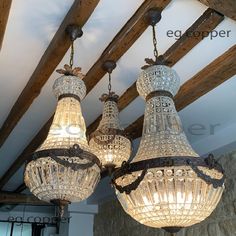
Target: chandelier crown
70, 84
158, 78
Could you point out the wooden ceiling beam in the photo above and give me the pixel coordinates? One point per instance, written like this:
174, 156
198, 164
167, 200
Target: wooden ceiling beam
225, 7
19, 198
216, 73
205, 23
25, 155
119, 45
78, 14
20, 188
5, 6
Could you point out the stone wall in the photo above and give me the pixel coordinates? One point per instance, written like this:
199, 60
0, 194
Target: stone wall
113, 221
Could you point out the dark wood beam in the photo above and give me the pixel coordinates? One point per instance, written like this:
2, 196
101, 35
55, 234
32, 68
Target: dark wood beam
5, 6
20, 188
207, 22
216, 73
119, 45
25, 155
19, 198
78, 14
225, 7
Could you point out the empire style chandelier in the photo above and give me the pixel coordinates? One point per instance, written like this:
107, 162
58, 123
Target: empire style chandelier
63, 169
167, 185
109, 142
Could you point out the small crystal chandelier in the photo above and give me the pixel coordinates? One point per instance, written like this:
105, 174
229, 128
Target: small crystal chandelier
63, 169
167, 185
109, 142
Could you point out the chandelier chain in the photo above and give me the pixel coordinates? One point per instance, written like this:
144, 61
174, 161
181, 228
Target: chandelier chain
154, 42
72, 54
109, 83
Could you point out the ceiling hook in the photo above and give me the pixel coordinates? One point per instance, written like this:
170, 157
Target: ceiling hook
74, 31
153, 16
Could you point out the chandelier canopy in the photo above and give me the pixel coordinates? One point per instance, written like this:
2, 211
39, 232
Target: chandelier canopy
109, 142
170, 186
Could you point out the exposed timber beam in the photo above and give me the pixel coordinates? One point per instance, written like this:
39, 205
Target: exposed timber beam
205, 23
5, 6
78, 14
20, 188
225, 7
118, 46
216, 73
25, 155
19, 198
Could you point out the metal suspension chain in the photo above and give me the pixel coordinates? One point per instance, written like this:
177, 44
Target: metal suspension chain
154, 42
72, 54
109, 83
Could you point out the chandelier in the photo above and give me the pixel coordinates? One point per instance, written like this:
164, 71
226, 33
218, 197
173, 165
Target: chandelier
109, 142
167, 185
63, 169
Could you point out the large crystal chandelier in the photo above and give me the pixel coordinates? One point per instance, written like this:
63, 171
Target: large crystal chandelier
167, 185
109, 142
63, 169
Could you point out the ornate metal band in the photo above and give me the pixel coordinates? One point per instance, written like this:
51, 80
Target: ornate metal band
74, 151
69, 95
106, 131
193, 162
159, 93
112, 96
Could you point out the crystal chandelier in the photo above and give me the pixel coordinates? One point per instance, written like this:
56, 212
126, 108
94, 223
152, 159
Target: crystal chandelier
167, 185
63, 169
109, 142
